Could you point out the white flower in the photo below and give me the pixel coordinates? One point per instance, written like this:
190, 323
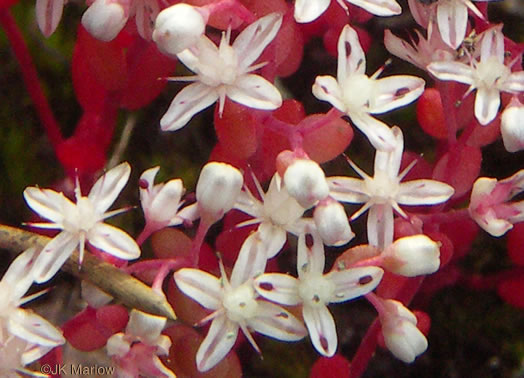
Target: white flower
225, 71
512, 126
80, 222
310, 10
277, 212
104, 19
160, 202
217, 190
236, 305
315, 290
136, 351
179, 27
488, 205
358, 95
24, 335
489, 76
412, 256
306, 182
383, 192
401, 335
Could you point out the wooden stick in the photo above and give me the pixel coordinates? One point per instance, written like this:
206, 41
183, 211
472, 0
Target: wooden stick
120, 285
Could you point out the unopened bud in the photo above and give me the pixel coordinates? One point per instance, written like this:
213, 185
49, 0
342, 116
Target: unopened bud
412, 256
401, 335
512, 126
104, 19
217, 190
332, 222
179, 27
306, 182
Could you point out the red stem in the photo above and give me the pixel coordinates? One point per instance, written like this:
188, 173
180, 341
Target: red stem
30, 77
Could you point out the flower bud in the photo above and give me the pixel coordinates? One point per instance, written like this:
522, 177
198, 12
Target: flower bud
412, 256
512, 126
306, 182
332, 222
217, 190
401, 335
104, 19
160, 202
179, 27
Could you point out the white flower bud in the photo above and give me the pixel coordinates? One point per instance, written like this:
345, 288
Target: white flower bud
104, 19
178, 28
401, 335
306, 182
332, 222
512, 126
412, 256
217, 190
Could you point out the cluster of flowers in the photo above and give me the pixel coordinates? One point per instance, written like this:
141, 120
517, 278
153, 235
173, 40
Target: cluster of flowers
251, 299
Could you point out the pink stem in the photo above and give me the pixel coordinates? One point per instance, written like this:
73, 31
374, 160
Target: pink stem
30, 78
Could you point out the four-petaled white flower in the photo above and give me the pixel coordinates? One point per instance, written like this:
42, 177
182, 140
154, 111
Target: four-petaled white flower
489, 76
315, 290
310, 10
277, 212
24, 335
235, 305
358, 95
225, 71
81, 222
136, 351
383, 192
488, 205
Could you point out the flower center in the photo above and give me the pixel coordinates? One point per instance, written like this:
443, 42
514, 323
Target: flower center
315, 290
381, 188
240, 303
358, 92
82, 217
491, 73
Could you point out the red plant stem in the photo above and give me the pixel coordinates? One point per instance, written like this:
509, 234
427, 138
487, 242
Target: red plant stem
30, 77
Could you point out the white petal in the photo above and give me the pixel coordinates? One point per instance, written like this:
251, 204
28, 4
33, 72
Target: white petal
378, 133
48, 203
452, 17
201, 286
145, 16
514, 83
253, 40
54, 255
401, 48
251, 260
279, 288
189, 101
395, 91
255, 92
380, 225
512, 127
423, 192
327, 89
219, 340
145, 327
351, 57
108, 187
354, 282
274, 237
487, 103
309, 10
379, 7
118, 345
167, 200
149, 177
114, 241
321, 327
389, 162
492, 45
310, 259
34, 329
348, 189
48, 15
273, 321
18, 277
453, 71
205, 50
